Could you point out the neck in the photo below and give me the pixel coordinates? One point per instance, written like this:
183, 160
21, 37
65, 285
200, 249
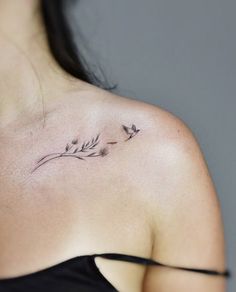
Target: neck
30, 76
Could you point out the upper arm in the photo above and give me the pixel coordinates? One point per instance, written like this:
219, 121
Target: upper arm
186, 216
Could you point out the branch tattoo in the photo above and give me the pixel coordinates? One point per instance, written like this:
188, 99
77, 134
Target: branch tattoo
87, 149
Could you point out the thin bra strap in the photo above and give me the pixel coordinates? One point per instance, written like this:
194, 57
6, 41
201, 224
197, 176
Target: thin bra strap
146, 261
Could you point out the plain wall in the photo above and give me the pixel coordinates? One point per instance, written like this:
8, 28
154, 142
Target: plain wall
179, 55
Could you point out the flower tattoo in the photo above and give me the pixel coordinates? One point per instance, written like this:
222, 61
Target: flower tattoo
86, 150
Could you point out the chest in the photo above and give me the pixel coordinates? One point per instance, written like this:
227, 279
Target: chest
58, 215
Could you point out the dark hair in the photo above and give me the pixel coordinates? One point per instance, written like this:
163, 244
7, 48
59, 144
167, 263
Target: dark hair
62, 44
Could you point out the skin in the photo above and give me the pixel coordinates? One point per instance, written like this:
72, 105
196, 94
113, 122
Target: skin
151, 195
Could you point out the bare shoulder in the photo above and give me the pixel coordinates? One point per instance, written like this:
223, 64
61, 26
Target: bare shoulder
174, 177
185, 210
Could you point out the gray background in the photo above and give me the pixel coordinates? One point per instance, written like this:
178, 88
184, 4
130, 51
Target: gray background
180, 55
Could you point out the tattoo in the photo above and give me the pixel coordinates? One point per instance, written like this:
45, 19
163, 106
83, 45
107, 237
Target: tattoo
131, 131
86, 150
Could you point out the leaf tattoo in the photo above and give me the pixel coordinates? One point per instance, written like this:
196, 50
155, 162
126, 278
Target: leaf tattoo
67, 148
73, 150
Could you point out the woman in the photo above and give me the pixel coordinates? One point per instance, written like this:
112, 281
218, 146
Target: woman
85, 172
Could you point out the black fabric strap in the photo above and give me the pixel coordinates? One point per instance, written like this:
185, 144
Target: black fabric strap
146, 261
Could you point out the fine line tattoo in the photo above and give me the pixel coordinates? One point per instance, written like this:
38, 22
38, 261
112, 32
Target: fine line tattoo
86, 150
132, 131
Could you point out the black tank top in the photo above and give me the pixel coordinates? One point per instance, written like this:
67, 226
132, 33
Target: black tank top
81, 274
